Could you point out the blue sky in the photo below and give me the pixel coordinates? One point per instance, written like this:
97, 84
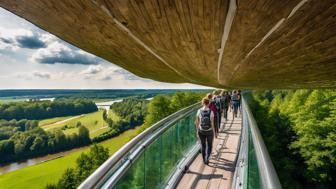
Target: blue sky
31, 58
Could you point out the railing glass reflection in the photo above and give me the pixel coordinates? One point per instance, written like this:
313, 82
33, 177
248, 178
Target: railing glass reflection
159, 160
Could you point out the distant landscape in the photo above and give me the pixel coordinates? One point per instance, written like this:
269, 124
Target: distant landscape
95, 94
45, 133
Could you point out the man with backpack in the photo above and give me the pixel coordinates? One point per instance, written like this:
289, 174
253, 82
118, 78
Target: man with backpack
218, 101
235, 102
239, 102
205, 129
226, 103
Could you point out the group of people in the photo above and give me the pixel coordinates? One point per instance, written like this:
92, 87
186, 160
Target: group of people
208, 118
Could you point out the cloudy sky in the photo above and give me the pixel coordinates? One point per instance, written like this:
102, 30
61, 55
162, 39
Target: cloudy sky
31, 58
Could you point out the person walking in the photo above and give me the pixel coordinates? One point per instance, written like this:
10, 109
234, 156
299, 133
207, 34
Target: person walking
205, 127
235, 102
239, 102
218, 101
226, 103
213, 108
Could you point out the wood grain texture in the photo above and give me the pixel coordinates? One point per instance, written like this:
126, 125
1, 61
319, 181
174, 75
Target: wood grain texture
178, 41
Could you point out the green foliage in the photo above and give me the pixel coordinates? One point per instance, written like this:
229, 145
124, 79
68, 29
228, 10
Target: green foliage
37, 176
163, 105
45, 109
299, 129
86, 163
104, 115
34, 141
109, 122
131, 110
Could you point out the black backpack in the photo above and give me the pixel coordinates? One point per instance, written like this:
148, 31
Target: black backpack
226, 100
205, 120
218, 103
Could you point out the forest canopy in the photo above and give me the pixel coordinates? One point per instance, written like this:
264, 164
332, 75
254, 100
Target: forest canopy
299, 129
35, 110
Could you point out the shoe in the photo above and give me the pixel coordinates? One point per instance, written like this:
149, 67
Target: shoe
207, 161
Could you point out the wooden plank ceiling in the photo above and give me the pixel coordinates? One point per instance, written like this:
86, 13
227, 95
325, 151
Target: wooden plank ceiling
269, 43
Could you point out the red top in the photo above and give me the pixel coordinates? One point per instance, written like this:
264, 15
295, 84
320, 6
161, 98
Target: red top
213, 108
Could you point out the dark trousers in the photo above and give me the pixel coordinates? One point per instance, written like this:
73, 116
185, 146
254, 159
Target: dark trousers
226, 112
219, 119
206, 142
216, 123
235, 108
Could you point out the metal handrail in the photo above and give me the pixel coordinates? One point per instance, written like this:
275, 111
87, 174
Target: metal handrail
136, 145
242, 159
269, 177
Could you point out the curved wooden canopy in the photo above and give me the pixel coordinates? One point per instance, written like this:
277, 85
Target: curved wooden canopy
221, 43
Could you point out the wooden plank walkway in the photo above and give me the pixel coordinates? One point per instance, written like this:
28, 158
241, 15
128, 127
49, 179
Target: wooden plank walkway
219, 172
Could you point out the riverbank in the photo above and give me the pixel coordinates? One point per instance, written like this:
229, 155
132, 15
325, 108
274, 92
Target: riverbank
37, 176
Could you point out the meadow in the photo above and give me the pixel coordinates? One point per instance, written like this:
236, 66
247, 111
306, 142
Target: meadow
37, 176
93, 121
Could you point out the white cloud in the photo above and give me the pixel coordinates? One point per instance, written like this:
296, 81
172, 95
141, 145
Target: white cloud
32, 75
43, 75
58, 52
93, 69
13, 39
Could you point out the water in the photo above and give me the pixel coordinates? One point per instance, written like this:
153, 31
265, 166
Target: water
106, 105
5, 168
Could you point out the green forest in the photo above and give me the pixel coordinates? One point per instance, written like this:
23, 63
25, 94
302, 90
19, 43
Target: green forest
132, 112
299, 130
22, 138
32, 141
35, 110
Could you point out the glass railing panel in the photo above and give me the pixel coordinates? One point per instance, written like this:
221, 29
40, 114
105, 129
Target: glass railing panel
135, 176
160, 158
153, 164
253, 174
168, 155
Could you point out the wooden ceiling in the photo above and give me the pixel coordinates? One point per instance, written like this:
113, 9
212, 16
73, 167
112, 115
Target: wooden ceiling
220, 43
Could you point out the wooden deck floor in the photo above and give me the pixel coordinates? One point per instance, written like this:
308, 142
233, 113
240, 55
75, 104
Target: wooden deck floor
219, 172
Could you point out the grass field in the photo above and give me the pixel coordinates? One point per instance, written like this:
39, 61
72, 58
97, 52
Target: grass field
93, 121
50, 121
37, 176
113, 116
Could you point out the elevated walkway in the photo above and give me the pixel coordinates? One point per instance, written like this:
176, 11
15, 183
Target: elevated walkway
166, 155
220, 171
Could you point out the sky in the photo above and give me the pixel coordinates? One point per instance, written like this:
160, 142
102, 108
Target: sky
31, 58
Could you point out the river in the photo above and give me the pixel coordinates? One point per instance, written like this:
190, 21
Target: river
106, 105
5, 168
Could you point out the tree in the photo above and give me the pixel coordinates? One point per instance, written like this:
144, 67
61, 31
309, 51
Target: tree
109, 122
84, 134
68, 180
6, 147
104, 115
86, 163
299, 129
